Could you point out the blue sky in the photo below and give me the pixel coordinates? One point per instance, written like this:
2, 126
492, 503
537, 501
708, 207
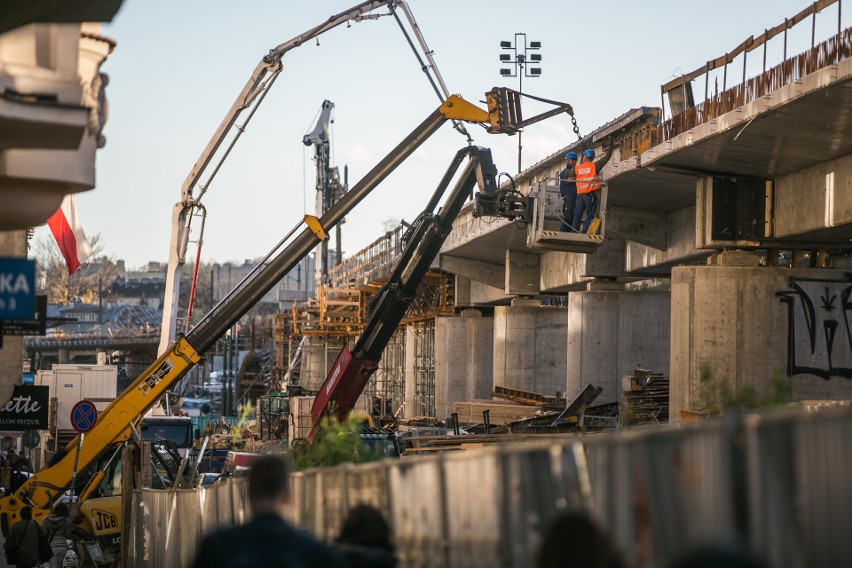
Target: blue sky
179, 66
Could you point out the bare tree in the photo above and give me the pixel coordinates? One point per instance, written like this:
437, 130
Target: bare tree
53, 280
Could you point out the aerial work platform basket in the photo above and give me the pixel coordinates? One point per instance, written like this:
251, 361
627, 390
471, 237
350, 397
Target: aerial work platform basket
544, 231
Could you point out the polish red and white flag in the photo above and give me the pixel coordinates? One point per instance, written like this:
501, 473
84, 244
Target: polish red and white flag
68, 232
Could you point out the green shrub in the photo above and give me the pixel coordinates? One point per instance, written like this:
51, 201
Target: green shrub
336, 443
716, 395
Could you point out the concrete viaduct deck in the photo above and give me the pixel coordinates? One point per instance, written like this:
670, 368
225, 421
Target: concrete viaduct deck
797, 137
742, 202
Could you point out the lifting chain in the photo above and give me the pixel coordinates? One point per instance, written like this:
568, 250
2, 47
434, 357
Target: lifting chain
576, 128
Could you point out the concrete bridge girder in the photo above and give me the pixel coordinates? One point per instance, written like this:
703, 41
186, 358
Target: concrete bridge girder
489, 273
815, 203
523, 273
639, 225
567, 271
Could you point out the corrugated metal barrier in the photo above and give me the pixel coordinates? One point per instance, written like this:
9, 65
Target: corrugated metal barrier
779, 482
167, 525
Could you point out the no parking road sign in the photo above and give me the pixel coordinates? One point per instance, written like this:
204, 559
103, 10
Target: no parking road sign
84, 416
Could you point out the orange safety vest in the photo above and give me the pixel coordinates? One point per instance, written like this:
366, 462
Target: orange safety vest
587, 177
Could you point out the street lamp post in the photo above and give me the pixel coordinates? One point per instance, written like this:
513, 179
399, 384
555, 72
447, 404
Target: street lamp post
519, 62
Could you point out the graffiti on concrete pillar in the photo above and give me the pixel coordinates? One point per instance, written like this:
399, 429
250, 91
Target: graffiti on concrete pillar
819, 337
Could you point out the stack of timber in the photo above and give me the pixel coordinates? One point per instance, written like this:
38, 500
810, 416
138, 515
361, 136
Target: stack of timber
501, 412
646, 398
544, 401
515, 405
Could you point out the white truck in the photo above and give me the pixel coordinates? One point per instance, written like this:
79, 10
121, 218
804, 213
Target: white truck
177, 429
69, 384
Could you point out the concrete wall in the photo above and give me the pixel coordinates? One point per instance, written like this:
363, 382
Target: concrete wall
814, 198
463, 360
529, 348
317, 358
611, 333
750, 324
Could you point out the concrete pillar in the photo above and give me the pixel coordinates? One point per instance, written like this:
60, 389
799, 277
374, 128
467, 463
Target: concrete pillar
529, 347
611, 332
762, 330
12, 244
522, 273
410, 378
463, 360
317, 358
462, 290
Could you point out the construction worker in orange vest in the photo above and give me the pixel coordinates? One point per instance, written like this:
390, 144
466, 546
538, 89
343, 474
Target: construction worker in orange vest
588, 188
568, 191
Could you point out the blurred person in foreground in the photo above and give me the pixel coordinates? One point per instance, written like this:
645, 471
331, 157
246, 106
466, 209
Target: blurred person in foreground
267, 540
576, 539
365, 539
57, 526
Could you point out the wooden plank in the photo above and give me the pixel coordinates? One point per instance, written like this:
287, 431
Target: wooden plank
499, 414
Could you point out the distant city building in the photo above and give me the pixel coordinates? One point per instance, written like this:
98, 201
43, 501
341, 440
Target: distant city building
146, 286
79, 332
296, 286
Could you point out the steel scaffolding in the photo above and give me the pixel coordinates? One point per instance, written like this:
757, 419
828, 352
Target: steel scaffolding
424, 368
388, 383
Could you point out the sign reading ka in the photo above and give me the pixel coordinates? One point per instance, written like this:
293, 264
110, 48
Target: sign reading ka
17, 289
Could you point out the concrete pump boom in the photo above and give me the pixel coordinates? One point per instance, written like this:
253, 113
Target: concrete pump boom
251, 96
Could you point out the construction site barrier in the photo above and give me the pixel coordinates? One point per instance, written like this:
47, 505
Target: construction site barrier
167, 525
778, 482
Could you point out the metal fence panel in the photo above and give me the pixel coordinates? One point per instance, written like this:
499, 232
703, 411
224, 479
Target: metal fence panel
613, 487
332, 501
167, 525
799, 472
537, 484
370, 484
690, 479
661, 492
472, 499
418, 512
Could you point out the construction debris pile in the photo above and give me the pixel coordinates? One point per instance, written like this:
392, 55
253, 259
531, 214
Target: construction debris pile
531, 412
514, 405
646, 398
